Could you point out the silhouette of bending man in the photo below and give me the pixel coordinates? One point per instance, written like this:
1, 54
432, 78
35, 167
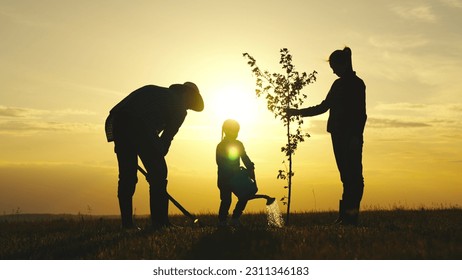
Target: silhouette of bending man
143, 125
346, 102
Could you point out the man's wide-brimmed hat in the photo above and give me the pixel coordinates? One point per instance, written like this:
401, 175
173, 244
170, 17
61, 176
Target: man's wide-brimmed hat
197, 103
192, 94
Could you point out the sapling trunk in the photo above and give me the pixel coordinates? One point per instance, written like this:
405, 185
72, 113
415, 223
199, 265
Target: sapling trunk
289, 146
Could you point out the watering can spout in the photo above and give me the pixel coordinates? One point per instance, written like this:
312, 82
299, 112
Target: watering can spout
270, 200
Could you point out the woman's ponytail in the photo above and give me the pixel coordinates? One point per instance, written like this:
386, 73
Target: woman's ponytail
347, 57
342, 57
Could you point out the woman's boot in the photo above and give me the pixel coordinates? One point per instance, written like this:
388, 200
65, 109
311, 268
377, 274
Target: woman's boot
341, 213
126, 212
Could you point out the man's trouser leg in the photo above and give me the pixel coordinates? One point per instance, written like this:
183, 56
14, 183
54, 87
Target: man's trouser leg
126, 188
158, 200
156, 168
127, 162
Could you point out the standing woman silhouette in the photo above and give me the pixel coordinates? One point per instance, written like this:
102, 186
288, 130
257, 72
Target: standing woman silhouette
346, 102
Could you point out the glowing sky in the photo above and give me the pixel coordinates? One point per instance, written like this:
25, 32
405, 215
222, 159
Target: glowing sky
64, 64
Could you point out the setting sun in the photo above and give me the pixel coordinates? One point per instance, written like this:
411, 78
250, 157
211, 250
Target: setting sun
235, 102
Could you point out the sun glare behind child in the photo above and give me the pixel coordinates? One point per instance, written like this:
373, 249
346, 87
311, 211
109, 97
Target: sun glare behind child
234, 102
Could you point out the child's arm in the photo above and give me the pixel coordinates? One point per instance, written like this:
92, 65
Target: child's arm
248, 163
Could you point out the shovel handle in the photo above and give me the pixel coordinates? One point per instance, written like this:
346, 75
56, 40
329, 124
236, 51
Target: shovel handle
174, 201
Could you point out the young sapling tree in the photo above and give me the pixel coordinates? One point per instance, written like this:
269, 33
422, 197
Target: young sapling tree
283, 91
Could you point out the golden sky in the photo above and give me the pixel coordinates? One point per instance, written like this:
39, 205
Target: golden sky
65, 64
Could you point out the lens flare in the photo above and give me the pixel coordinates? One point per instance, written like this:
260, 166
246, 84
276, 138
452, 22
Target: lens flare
233, 153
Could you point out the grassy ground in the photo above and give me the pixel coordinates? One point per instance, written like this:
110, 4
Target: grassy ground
393, 234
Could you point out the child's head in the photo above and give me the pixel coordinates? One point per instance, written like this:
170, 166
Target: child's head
230, 129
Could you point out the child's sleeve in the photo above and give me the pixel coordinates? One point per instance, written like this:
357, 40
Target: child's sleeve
219, 155
246, 160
